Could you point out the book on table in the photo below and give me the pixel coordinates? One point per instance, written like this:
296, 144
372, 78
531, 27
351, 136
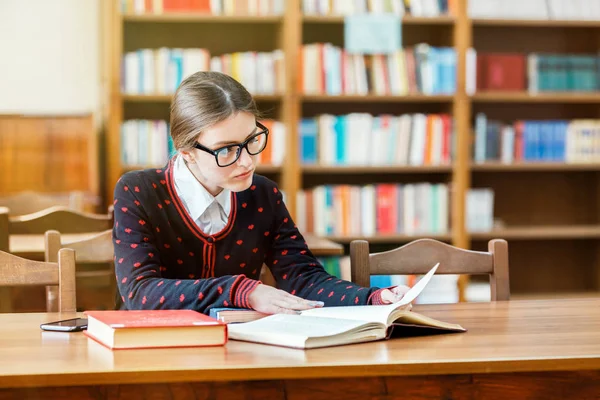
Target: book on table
332, 326
154, 328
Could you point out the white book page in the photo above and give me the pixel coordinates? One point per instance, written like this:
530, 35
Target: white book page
373, 313
290, 330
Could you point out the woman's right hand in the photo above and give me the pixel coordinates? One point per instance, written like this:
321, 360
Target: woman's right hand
268, 300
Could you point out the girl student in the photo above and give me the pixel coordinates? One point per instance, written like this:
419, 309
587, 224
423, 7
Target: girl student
196, 233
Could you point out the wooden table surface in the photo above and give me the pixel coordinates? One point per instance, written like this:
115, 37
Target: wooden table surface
32, 246
516, 336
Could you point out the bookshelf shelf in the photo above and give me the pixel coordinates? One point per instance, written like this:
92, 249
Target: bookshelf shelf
396, 238
525, 97
532, 166
164, 98
542, 232
268, 169
397, 169
535, 23
407, 20
370, 98
206, 18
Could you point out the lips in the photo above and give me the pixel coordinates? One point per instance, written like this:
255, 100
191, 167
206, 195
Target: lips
244, 175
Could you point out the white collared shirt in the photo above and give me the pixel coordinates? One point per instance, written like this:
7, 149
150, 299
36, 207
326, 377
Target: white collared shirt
209, 212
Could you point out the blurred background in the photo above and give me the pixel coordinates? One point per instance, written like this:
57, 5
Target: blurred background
456, 120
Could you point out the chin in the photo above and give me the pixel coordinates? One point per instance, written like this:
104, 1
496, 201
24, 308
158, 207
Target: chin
239, 184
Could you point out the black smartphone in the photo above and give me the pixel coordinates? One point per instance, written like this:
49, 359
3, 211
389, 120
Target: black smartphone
67, 325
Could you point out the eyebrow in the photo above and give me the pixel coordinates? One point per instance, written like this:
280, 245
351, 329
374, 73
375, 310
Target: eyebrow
220, 144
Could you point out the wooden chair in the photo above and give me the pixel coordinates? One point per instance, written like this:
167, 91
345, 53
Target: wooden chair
53, 218
419, 256
96, 253
29, 202
17, 271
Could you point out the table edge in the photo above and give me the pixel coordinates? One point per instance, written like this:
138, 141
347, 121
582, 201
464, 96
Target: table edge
584, 363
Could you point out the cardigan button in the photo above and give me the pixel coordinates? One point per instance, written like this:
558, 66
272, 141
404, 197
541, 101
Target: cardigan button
211, 239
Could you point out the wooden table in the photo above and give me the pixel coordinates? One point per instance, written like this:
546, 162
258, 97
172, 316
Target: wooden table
542, 349
32, 246
323, 247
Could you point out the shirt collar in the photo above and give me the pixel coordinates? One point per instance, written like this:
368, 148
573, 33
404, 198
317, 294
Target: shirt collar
195, 196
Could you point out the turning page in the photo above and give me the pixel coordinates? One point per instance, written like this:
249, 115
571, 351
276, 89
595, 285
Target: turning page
382, 314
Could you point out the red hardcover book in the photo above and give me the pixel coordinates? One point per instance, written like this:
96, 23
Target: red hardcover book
386, 208
501, 71
154, 328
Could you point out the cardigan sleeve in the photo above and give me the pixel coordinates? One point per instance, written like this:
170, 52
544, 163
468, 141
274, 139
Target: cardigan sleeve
138, 267
297, 271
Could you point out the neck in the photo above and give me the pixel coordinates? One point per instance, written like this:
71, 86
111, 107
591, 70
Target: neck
212, 189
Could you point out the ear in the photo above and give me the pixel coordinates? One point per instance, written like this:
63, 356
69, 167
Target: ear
188, 156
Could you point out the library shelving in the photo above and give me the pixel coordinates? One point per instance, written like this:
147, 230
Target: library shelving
548, 211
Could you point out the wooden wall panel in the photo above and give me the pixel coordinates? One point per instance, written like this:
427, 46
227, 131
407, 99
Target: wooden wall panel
48, 154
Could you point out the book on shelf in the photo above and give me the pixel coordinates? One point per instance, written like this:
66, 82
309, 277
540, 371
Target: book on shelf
334, 326
160, 71
416, 8
361, 139
533, 72
535, 9
210, 7
568, 141
326, 69
352, 210
154, 328
145, 142
479, 210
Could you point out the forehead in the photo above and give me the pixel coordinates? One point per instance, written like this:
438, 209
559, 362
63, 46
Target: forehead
234, 129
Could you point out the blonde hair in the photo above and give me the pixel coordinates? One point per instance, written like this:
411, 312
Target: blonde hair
204, 99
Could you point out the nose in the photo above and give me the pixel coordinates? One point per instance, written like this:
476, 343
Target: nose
245, 159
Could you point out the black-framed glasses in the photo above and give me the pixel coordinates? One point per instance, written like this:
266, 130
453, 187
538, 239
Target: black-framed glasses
227, 155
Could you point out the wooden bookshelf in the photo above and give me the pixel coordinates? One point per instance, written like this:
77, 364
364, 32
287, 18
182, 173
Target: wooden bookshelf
534, 23
202, 18
542, 232
394, 239
553, 217
406, 20
535, 166
166, 98
525, 97
396, 169
412, 98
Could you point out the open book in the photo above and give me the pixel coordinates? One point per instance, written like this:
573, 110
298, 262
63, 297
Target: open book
333, 326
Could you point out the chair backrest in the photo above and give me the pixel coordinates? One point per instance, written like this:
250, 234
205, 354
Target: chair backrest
418, 256
61, 219
29, 202
17, 271
97, 249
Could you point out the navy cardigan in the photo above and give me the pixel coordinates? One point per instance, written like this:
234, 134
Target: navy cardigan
164, 261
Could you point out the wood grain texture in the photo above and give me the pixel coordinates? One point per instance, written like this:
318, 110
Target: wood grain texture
16, 271
29, 202
461, 110
503, 337
48, 154
580, 385
97, 250
61, 219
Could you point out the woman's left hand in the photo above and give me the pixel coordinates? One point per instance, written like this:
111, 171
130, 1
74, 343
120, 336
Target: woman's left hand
393, 295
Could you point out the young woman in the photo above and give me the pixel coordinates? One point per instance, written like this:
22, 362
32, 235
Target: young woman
196, 233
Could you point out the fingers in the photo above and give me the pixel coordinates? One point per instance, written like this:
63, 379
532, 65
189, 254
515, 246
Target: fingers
284, 310
400, 290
